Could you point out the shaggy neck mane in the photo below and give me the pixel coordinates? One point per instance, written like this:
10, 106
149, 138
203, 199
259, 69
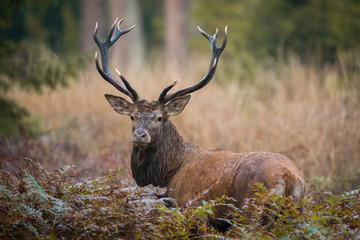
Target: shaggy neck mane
156, 164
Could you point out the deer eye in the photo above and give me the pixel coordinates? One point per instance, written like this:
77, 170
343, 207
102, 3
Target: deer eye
132, 118
160, 119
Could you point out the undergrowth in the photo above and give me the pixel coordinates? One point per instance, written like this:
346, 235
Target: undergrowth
39, 204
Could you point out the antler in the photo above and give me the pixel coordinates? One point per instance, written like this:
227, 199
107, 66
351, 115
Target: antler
216, 50
114, 33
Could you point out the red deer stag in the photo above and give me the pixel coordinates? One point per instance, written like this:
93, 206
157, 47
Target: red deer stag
162, 158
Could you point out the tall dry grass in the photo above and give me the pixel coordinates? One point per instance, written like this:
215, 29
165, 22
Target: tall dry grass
295, 109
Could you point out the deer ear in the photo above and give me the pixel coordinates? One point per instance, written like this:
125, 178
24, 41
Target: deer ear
175, 106
120, 105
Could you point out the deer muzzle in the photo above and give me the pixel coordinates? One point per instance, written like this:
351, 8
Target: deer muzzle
141, 136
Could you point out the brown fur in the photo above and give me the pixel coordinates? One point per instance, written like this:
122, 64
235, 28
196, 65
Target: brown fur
232, 175
145, 106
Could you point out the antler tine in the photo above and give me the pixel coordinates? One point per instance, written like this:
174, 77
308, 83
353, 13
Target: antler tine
127, 85
216, 50
225, 39
118, 32
114, 33
165, 91
111, 32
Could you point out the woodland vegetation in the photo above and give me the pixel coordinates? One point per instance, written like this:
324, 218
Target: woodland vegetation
288, 82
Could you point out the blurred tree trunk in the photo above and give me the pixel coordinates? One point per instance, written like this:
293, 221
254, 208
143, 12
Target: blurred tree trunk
130, 50
176, 33
92, 11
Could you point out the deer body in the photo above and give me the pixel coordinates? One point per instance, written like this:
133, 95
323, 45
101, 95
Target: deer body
161, 157
188, 170
234, 175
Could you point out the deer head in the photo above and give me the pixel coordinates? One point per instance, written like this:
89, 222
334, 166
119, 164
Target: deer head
148, 118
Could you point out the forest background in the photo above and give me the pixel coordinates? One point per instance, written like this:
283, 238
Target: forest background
288, 81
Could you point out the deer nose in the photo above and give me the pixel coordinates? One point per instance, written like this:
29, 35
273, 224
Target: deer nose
140, 133
141, 136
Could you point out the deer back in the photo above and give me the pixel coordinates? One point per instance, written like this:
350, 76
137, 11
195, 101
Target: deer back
208, 174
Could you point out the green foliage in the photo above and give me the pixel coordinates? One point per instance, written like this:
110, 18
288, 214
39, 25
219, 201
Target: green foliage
153, 23
43, 203
320, 215
38, 40
36, 203
10, 113
317, 31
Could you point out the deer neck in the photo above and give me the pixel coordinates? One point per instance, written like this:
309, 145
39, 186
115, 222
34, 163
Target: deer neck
157, 164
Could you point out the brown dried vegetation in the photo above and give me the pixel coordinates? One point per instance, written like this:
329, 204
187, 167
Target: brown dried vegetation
310, 114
